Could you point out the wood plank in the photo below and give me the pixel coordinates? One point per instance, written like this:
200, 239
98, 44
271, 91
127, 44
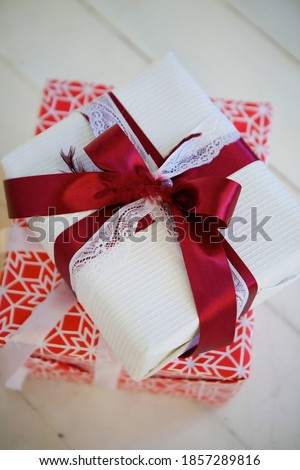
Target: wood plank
108, 42
227, 54
21, 426
65, 40
286, 305
266, 412
93, 418
279, 19
19, 102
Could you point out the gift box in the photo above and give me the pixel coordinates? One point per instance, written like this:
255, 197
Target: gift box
148, 298
69, 350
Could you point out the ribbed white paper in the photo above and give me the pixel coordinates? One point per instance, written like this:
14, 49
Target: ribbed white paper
142, 303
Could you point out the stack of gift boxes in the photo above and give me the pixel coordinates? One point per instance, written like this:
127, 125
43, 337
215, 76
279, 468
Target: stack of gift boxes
74, 349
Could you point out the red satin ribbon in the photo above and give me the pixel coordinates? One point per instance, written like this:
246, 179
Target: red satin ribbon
201, 200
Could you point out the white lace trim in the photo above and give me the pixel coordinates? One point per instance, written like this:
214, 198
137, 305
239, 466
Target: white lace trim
103, 114
107, 244
191, 155
241, 290
103, 244
119, 228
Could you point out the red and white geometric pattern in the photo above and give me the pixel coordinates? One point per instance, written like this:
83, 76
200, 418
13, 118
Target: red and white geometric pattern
26, 280
231, 362
68, 351
214, 393
252, 120
61, 97
41, 368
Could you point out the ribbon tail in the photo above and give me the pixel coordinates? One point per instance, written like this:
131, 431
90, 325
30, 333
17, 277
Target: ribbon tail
208, 272
63, 193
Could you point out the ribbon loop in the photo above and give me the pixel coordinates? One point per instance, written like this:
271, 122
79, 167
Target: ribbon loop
113, 151
210, 196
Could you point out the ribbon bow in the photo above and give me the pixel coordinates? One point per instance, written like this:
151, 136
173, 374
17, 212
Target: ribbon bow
200, 204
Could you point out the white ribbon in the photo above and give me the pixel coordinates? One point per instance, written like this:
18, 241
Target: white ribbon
30, 335
107, 369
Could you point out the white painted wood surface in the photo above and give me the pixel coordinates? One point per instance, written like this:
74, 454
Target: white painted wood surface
247, 50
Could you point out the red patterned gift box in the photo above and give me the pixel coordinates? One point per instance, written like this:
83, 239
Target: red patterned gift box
69, 350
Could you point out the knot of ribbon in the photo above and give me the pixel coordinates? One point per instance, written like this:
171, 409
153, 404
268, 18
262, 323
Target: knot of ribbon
125, 178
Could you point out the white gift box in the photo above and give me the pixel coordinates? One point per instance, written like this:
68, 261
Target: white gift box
140, 297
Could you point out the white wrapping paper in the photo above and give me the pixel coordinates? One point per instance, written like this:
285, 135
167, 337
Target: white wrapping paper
142, 301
